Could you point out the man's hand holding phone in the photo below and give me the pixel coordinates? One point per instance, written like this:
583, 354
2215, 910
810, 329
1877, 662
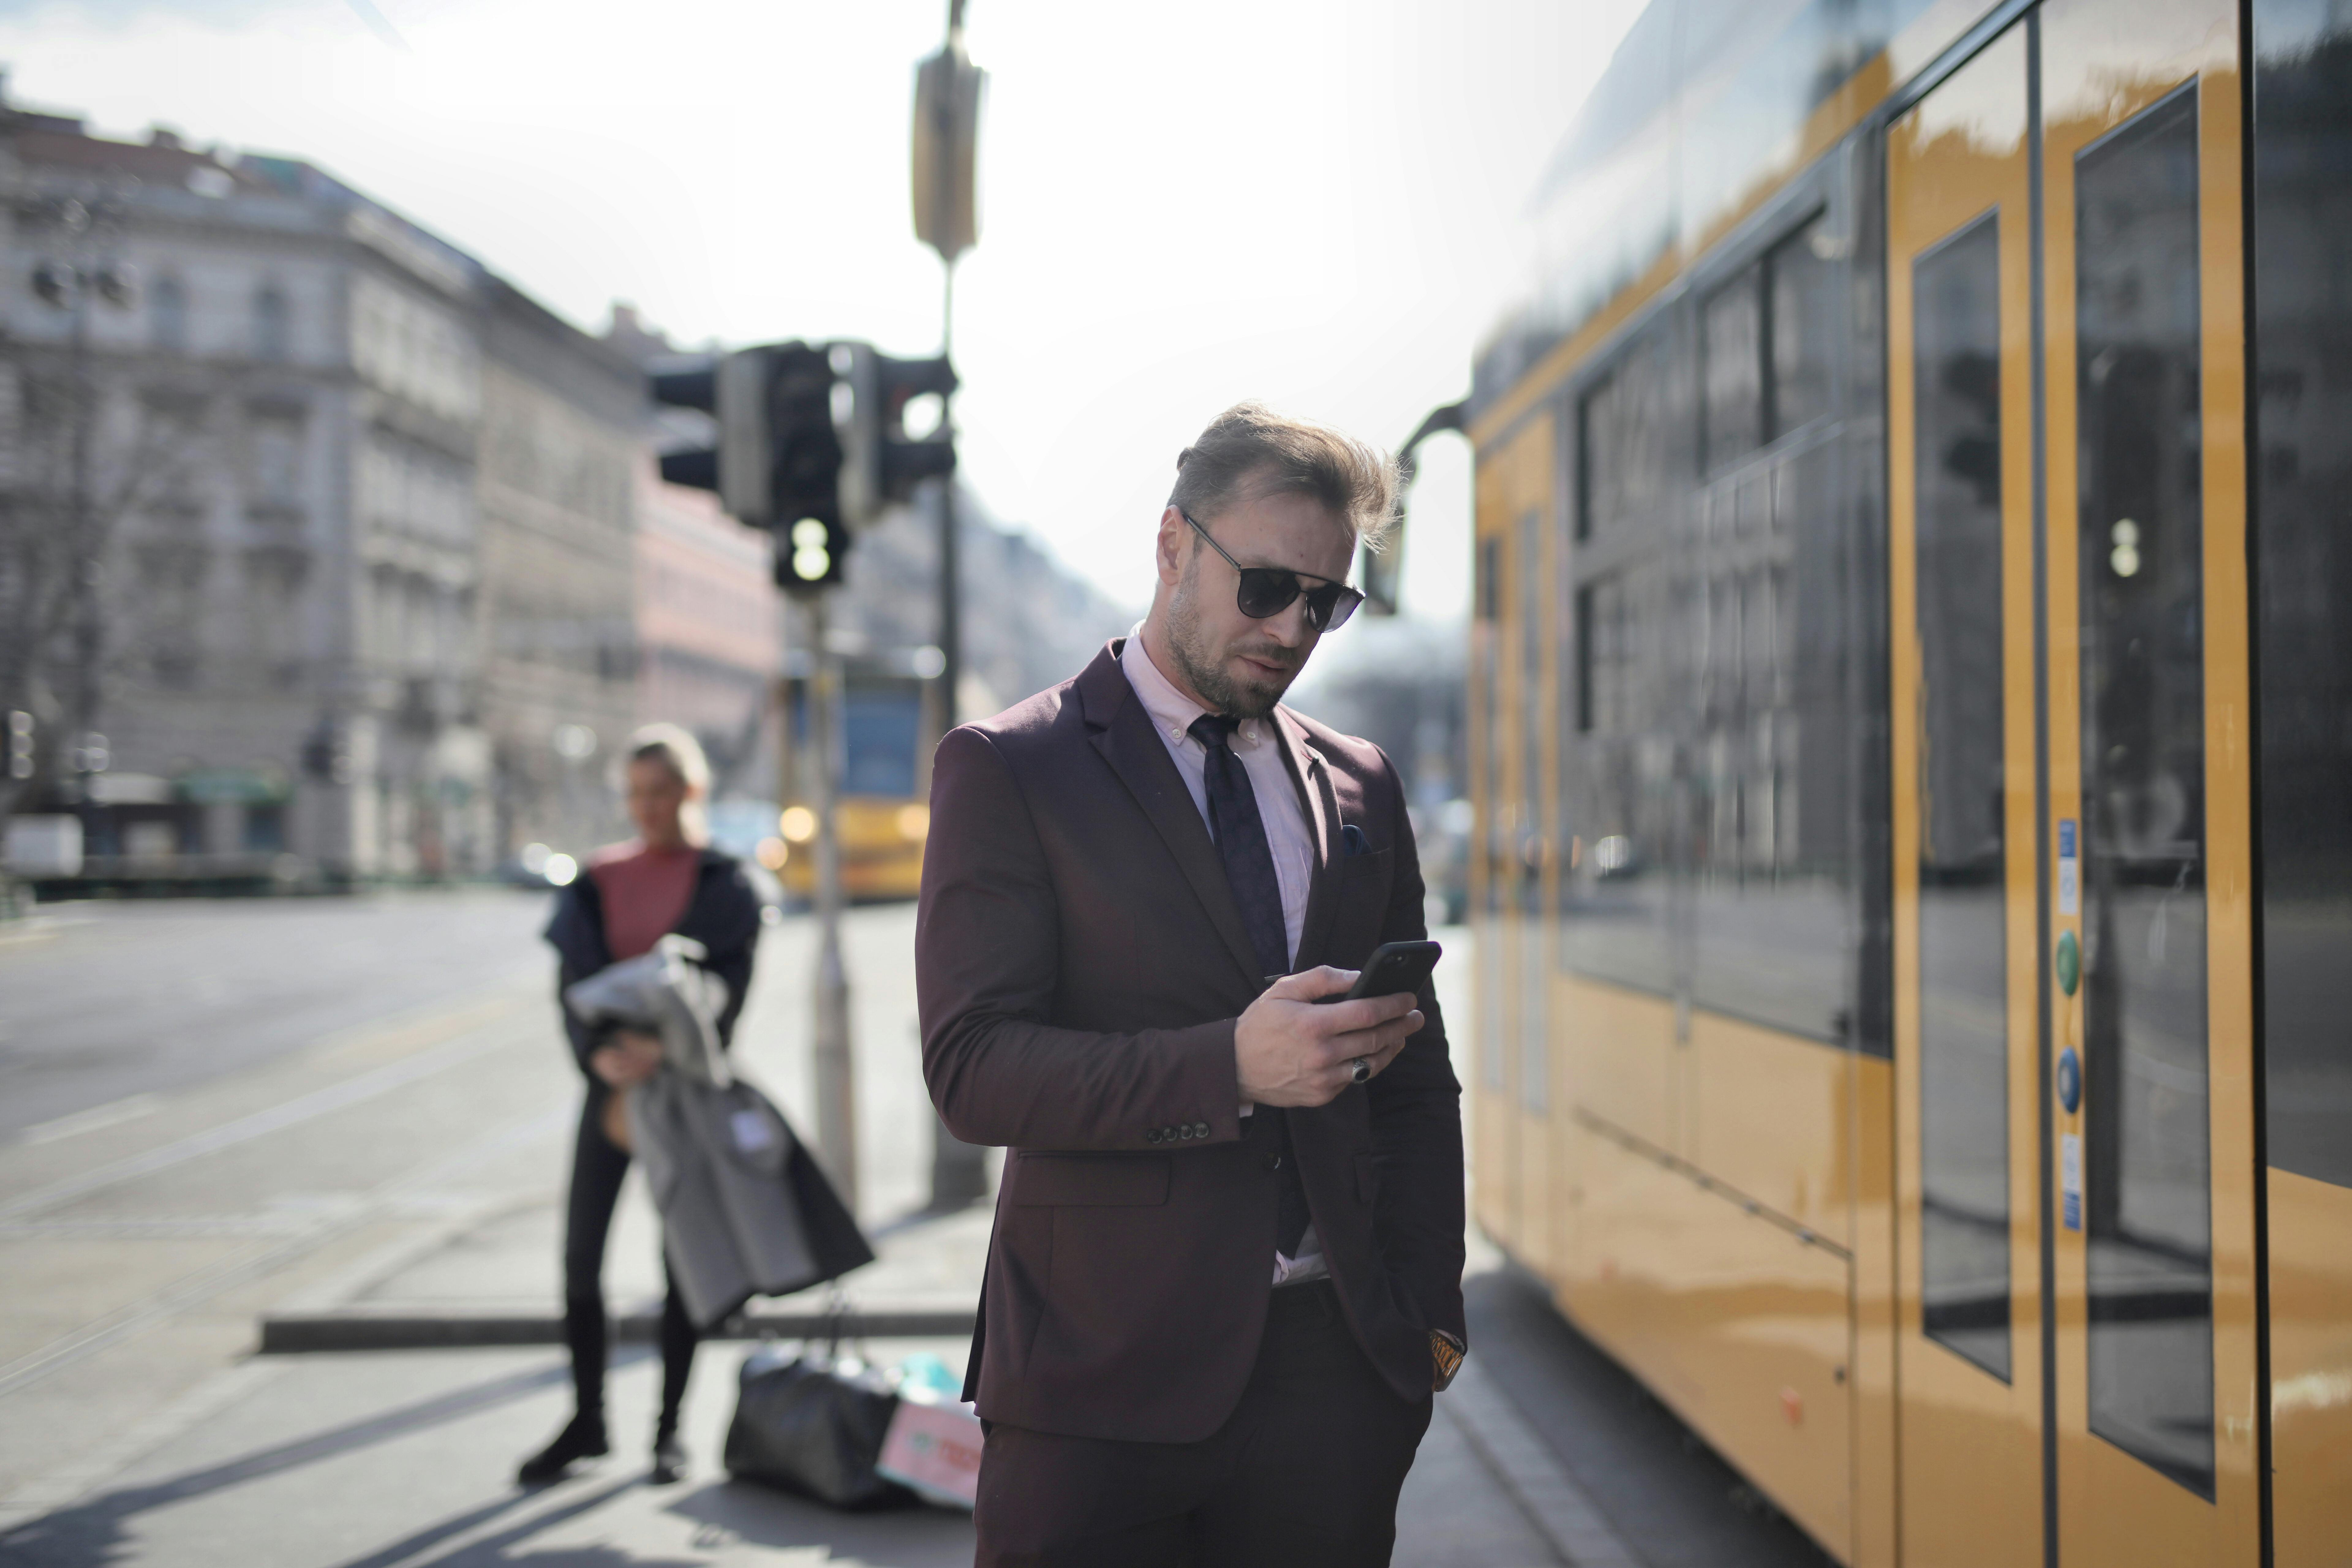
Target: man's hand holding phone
1299, 1042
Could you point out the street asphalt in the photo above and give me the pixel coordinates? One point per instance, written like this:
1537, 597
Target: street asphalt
214, 1114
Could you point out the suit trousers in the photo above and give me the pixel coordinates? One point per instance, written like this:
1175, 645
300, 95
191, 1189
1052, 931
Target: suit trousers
1305, 1473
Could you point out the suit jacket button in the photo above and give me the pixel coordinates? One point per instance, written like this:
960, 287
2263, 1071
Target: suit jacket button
1185, 1130
1274, 1161
1200, 1130
1152, 1135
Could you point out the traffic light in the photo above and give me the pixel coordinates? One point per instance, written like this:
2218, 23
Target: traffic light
20, 743
813, 442
810, 554
881, 463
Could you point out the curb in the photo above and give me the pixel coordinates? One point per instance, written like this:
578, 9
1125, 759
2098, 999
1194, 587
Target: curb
366, 1329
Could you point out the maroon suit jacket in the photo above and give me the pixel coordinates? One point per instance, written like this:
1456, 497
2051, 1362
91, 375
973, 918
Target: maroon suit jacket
1080, 964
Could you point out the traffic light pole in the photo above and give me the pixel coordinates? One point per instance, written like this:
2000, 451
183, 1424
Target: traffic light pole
831, 1061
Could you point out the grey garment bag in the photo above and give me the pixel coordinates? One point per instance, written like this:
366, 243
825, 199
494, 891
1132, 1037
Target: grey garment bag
716, 1159
745, 1212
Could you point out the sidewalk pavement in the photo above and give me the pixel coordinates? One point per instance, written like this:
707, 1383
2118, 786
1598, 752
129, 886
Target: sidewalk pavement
400, 1457
393, 1458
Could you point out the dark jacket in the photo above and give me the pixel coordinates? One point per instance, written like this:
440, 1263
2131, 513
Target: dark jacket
723, 915
1080, 964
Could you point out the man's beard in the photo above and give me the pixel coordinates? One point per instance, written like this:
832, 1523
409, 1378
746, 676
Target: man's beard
1238, 698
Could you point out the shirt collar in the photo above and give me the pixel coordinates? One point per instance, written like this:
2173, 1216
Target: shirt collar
1171, 711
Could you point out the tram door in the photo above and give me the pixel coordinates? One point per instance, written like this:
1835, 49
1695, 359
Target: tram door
1968, 1352
2075, 1332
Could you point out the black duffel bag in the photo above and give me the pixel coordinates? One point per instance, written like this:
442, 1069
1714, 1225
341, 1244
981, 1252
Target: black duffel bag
808, 1421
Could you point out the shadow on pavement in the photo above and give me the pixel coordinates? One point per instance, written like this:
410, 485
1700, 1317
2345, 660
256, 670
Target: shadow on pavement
498, 1548
1673, 1500
91, 1534
740, 1511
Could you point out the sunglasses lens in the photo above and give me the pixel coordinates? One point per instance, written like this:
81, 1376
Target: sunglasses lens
1264, 592
1331, 613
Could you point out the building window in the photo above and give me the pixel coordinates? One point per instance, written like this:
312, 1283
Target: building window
272, 328
167, 316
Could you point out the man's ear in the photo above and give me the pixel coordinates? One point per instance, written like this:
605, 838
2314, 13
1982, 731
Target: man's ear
1168, 550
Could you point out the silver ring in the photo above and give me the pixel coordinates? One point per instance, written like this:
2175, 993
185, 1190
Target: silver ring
1359, 1070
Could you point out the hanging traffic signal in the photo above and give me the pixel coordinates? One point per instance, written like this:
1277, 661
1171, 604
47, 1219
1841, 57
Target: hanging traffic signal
883, 463
812, 442
778, 461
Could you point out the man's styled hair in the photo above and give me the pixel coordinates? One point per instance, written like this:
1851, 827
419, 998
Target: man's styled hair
1250, 451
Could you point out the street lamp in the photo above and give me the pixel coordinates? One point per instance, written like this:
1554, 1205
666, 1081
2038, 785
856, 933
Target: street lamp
947, 218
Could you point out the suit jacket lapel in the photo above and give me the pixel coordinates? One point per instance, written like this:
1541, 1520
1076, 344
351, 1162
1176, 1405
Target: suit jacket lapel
1313, 779
1121, 731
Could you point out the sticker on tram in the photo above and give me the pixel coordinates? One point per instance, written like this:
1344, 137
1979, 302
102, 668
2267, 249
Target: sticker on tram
2070, 1179
2070, 874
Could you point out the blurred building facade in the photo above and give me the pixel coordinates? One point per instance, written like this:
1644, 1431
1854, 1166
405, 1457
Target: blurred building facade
382, 572
363, 518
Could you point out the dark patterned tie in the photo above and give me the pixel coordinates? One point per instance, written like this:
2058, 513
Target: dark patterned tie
1240, 833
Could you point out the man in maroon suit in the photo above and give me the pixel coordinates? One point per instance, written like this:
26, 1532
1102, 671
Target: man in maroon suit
1226, 1271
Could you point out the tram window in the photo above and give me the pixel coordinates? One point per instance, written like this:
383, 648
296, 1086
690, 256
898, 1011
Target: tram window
1535, 1024
2145, 1124
1624, 422
880, 725
1804, 331
1494, 821
1617, 788
1963, 969
1731, 351
1767, 797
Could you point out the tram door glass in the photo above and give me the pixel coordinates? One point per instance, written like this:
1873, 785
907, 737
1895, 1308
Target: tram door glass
1533, 589
2147, 1151
1963, 973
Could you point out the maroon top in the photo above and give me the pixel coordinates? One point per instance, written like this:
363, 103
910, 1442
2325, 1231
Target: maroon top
645, 893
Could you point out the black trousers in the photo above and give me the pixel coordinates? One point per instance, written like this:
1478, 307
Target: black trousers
1305, 1473
597, 1166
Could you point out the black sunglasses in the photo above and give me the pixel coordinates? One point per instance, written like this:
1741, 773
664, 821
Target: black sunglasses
1268, 591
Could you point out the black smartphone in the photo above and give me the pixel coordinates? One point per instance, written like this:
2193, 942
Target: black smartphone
1394, 966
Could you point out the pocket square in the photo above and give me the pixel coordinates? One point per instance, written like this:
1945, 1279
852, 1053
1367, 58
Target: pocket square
1353, 840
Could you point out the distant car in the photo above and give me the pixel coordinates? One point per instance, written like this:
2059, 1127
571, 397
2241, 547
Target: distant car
538, 867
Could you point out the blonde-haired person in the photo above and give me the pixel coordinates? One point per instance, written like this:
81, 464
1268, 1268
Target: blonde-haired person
666, 879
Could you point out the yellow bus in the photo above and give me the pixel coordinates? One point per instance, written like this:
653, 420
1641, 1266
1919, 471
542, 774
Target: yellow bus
1914, 881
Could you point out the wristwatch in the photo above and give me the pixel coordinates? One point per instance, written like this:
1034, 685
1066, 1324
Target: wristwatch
1447, 1352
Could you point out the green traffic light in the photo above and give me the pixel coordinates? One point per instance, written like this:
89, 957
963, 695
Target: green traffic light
811, 560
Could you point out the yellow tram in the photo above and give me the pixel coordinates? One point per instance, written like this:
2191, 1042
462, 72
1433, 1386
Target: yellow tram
1913, 743
888, 728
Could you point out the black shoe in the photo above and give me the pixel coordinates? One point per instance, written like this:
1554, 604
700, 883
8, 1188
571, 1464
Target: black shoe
669, 1461
584, 1438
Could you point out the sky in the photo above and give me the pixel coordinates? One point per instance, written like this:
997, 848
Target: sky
1314, 204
